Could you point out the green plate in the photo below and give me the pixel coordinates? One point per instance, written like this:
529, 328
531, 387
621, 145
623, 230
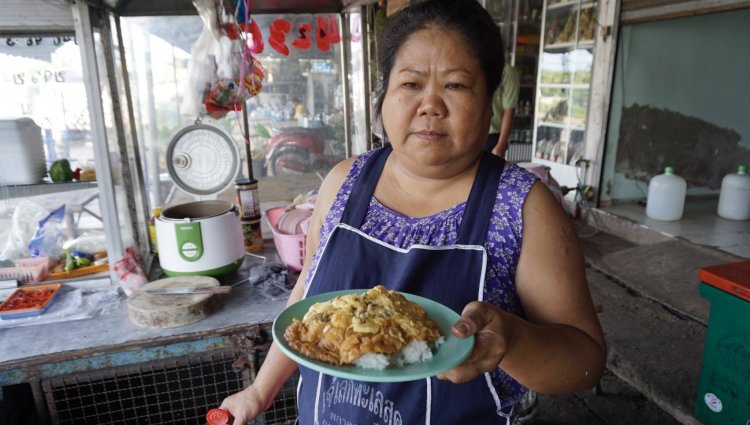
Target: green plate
448, 355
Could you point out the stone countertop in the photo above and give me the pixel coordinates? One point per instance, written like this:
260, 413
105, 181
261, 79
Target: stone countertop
113, 331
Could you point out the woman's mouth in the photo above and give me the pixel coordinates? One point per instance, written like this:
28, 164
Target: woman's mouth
429, 135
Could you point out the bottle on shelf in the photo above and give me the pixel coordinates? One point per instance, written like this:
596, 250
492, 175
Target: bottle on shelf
155, 213
734, 199
666, 196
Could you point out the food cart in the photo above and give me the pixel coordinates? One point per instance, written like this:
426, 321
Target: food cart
95, 365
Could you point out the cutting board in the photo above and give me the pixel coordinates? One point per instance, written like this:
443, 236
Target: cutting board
169, 311
81, 271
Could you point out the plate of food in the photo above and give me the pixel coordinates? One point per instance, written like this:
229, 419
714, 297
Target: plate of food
373, 335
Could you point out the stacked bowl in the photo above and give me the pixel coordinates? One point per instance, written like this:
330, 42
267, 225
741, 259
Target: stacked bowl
21, 152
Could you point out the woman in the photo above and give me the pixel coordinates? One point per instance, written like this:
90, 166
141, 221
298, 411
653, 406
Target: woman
509, 259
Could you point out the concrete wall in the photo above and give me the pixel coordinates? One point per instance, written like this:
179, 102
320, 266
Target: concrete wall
680, 97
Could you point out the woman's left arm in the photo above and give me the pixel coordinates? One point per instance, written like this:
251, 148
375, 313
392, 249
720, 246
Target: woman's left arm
559, 346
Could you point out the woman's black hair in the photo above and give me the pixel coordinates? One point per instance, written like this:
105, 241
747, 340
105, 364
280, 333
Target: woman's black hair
467, 18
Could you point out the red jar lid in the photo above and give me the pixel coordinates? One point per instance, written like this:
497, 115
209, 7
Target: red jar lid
218, 417
733, 278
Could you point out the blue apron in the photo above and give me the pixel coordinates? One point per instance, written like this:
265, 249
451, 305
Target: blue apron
451, 275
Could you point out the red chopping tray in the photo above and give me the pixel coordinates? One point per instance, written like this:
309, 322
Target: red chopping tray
29, 301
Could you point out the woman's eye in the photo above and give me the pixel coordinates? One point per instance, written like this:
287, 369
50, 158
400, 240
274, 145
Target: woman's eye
454, 86
410, 85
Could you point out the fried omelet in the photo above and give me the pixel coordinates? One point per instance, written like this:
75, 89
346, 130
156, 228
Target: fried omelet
344, 328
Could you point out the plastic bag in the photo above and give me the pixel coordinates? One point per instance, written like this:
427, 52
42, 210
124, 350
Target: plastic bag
23, 225
271, 280
223, 74
129, 272
202, 68
48, 239
91, 241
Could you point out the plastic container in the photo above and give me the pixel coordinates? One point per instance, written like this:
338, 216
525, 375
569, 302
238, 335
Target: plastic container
734, 199
22, 158
27, 270
291, 248
29, 301
666, 196
723, 390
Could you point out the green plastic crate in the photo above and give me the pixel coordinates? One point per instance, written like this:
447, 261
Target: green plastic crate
724, 390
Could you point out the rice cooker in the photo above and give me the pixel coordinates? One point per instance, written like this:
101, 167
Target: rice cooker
200, 238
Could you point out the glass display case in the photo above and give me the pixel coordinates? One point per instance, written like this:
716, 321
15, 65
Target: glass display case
525, 58
520, 24
564, 78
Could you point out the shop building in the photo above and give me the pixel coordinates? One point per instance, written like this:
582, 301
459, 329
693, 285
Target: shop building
611, 93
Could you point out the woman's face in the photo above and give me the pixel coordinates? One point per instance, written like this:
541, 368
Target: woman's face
436, 109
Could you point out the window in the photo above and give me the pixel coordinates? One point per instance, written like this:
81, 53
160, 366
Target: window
43, 117
295, 125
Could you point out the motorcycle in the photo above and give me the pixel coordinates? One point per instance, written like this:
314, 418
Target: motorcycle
300, 150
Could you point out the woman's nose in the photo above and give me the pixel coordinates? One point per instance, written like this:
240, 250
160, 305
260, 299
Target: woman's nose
432, 104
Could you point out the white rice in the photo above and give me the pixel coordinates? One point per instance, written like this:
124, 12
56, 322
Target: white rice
415, 352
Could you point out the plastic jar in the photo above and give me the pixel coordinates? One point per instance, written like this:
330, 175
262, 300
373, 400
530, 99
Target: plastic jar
734, 199
666, 196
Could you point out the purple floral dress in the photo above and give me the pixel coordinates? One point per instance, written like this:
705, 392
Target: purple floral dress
503, 241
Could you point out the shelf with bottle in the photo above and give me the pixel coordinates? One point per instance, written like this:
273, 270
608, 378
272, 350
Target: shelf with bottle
528, 39
559, 145
568, 27
587, 25
559, 4
564, 77
524, 109
559, 47
550, 124
530, 26
520, 135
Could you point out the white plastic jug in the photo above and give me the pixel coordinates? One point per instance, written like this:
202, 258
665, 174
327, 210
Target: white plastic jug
734, 199
666, 196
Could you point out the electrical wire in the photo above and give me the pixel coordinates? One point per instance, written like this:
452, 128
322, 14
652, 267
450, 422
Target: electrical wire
580, 199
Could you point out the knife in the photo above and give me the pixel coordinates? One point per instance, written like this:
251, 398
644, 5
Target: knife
190, 290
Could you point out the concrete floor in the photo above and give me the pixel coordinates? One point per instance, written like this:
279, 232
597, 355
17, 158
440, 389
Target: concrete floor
699, 224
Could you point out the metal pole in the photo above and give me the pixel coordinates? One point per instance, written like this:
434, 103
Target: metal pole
345, 69
84, 34
248, 154
129, 180
138, 186
364, 18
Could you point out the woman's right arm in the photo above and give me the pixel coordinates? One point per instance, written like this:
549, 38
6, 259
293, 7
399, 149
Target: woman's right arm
275, 371
277, 368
